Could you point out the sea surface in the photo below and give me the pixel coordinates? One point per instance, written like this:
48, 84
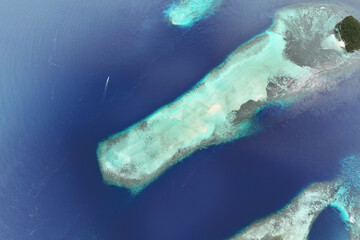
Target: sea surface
329, 226
55, 59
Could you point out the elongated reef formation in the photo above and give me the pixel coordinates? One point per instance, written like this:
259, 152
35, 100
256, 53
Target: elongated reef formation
299, 54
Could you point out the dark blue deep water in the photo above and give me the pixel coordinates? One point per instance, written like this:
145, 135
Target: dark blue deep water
330, 226
55, 57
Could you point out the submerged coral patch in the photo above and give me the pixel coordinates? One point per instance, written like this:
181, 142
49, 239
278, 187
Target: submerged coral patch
187, 12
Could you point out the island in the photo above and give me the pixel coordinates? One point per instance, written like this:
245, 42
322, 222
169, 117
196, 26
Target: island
298, 56
349, 31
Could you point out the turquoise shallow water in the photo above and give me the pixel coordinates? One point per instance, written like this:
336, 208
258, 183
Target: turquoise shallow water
187, 13
56, 57
296, 57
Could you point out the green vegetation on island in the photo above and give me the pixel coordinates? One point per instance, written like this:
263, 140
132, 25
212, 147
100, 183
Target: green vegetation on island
349, 30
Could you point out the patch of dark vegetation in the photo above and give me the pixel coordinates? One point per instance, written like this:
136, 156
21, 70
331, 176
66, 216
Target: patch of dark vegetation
246, 110
278, 86
349, 30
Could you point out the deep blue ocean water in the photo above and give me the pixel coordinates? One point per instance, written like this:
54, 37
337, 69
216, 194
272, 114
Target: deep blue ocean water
54, 62
329, 226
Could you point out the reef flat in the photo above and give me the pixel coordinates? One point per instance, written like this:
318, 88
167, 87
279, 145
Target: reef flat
187, 12
295, 220
298, 55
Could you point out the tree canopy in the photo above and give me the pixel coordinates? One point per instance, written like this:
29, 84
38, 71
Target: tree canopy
350, 33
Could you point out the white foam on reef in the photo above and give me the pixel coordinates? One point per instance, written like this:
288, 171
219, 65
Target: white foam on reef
187, 12
289, 60
332, 43
295, 220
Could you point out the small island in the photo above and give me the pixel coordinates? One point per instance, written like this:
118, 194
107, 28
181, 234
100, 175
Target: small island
349, 32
